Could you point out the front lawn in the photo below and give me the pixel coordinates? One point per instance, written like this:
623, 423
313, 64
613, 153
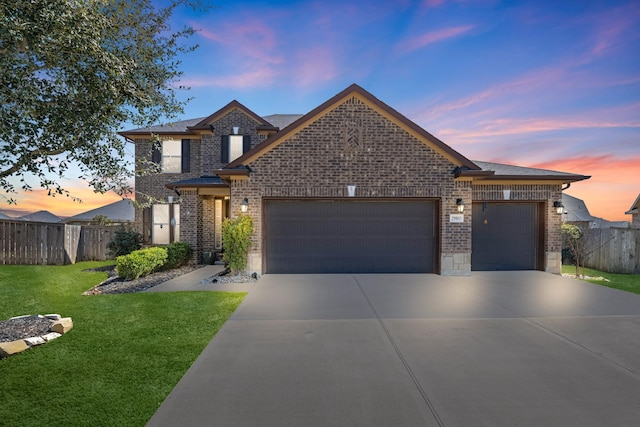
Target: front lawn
123, 356
625, 282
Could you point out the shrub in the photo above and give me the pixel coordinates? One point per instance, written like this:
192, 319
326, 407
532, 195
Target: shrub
141, 262
124, 242
178, 254
236, 236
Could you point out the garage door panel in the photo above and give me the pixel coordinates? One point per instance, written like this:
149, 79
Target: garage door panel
303, 236
505, 236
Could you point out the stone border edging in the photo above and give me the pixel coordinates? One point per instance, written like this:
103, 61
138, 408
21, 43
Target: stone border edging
59, 326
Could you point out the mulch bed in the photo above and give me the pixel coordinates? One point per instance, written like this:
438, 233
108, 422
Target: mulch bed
118, 285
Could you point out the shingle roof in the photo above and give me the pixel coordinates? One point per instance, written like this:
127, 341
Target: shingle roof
120, 211
510, 170
576, 209
203, 181
40, 216
173, 127
281, 121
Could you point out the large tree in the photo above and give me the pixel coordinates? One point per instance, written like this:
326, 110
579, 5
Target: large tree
73, 72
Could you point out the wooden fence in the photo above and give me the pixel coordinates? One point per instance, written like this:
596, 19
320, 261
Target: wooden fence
614, 250
29, 243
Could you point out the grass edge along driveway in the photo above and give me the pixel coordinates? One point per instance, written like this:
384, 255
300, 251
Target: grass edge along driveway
624, 282
122, 358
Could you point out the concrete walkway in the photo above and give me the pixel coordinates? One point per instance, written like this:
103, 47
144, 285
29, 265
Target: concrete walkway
197, 281
493, 349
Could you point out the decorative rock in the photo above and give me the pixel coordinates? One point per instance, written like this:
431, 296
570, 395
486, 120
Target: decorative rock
62, 326
34, 341
51, 336
12, 347
53, 316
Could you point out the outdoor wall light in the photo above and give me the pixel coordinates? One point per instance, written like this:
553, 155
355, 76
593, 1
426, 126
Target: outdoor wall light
170, 199
559, 207
236, 129
244, 205
460, 205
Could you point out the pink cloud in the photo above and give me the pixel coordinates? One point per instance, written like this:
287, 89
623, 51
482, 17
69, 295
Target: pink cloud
315, 65
433, 37
242, 80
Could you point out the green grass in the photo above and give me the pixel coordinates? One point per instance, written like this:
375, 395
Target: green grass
123, 356
625, 282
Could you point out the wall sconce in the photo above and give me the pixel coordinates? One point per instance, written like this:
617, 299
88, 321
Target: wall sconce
351, 190
559, 207
460, 205
170, 199
506, 194
236, 129
244, 205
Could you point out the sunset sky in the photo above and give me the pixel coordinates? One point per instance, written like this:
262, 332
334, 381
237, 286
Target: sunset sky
548, 84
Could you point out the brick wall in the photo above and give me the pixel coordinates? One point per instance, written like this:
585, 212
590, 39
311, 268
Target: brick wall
353, 145
210, 148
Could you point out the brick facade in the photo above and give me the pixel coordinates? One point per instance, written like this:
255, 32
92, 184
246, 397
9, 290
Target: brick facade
383, 161
349, 140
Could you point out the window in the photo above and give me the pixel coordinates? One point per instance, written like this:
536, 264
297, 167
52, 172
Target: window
234, 146
173, 155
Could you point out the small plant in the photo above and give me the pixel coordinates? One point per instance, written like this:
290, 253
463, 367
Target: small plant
178, 254
141, 262
236, 235
573, 238
124, 242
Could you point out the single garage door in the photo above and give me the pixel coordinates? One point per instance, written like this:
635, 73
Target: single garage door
355, 236
505, 236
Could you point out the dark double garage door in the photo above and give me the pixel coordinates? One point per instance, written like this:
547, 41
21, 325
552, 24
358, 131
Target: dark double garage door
350, 236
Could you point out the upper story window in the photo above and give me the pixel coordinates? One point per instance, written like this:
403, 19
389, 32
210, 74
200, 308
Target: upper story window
173, 155
234, 146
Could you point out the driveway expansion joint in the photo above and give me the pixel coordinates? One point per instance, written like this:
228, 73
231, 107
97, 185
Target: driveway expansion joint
403, 360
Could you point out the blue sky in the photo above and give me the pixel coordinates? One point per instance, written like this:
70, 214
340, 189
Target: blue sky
551, 84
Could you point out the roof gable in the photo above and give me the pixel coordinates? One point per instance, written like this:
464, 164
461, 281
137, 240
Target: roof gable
205, 124
367, 98
635, 207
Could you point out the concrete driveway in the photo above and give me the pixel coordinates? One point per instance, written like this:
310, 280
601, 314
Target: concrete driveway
493, 349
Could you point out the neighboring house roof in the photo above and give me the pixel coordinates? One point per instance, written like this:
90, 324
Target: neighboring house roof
40, 216
3, 216
353, 91
120, 211
576, 211
502, 171
635, 207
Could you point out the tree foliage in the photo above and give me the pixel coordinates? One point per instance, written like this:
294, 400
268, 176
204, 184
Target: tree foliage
236, 237
73, 73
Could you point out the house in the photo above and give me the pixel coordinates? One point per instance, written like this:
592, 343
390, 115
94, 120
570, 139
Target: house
120, 212
634, 211
3, 216
40, 216
351, 186
577, 213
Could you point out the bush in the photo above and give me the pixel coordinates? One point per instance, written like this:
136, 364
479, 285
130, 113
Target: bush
124, 242
141, 262
236, 237
178, 254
